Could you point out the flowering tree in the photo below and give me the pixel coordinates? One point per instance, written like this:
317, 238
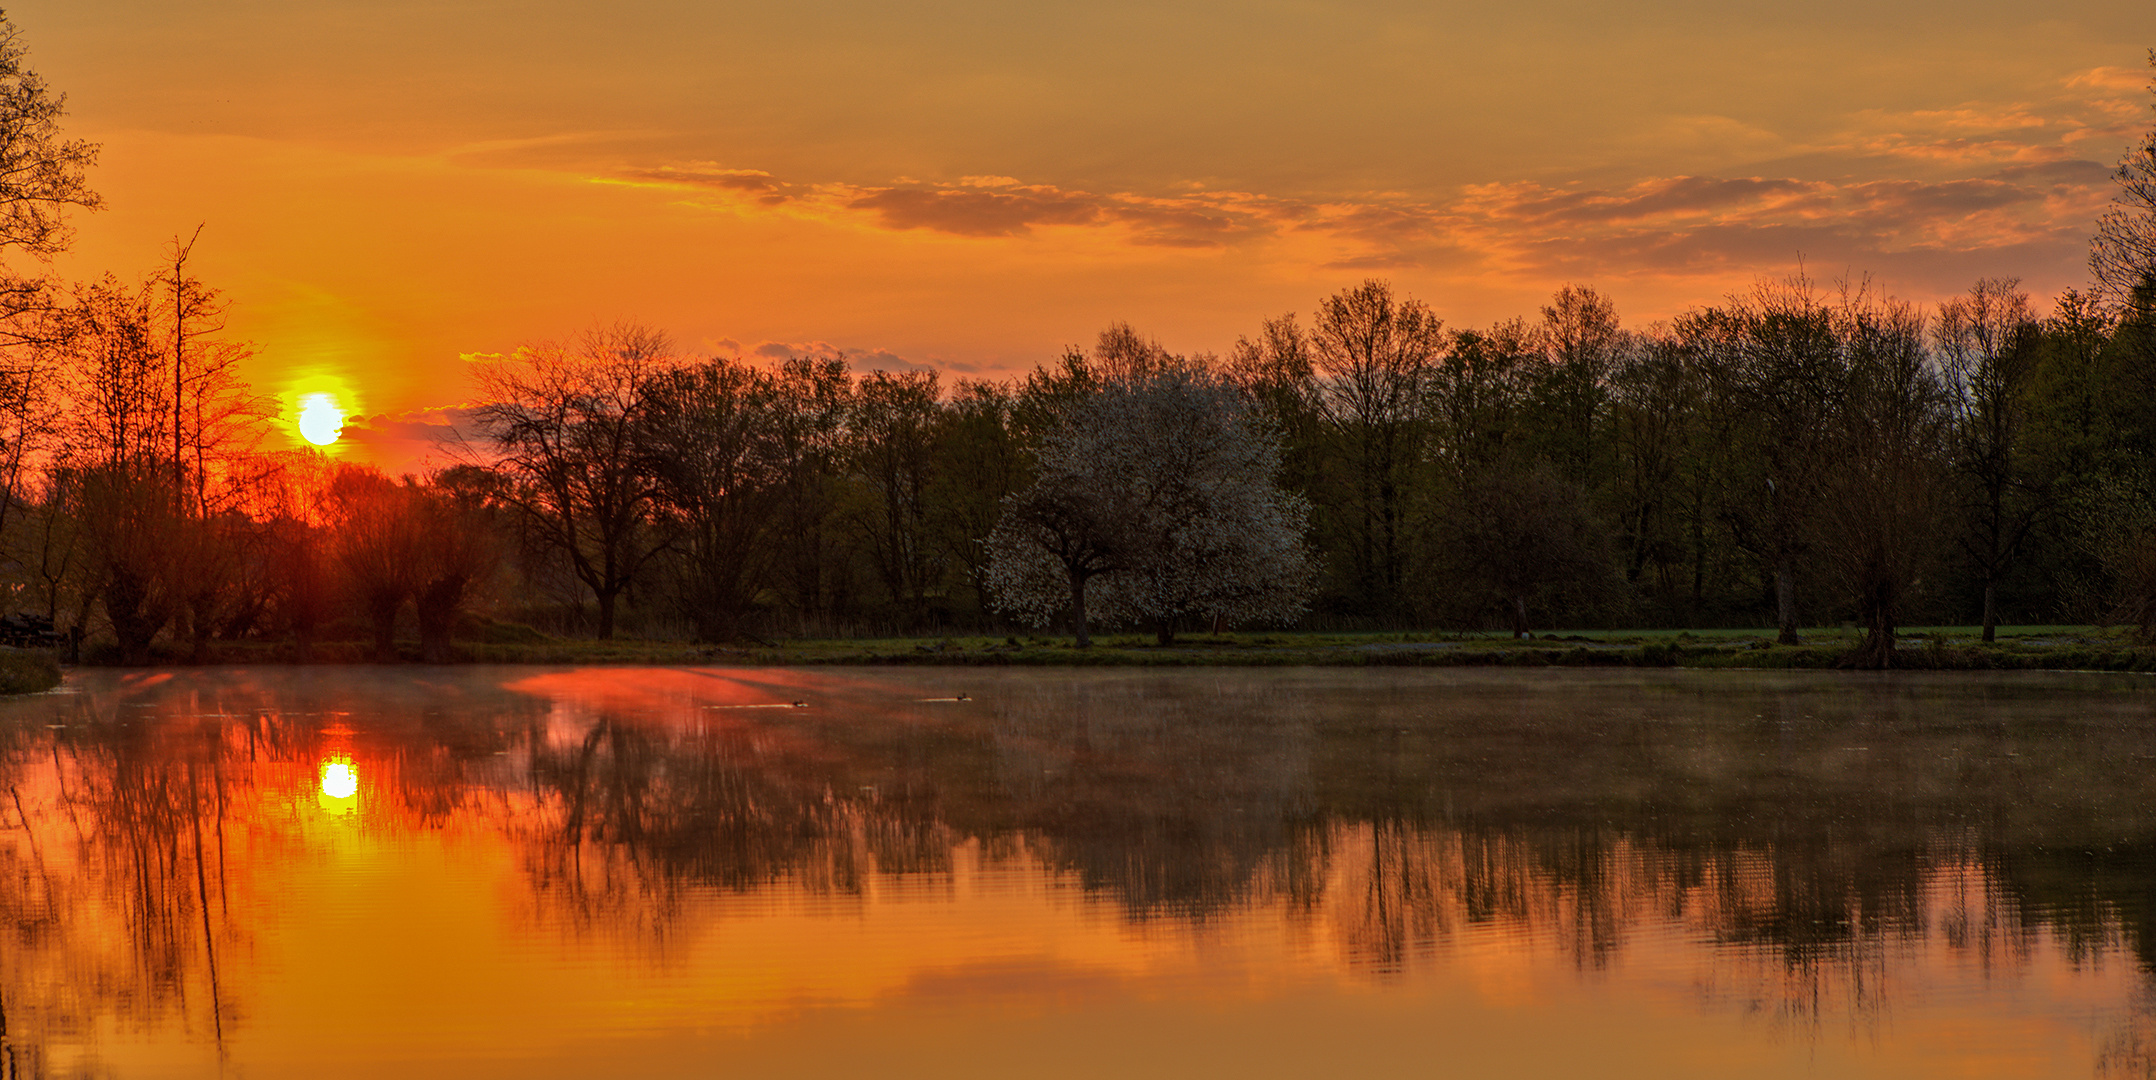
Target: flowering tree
1161, 485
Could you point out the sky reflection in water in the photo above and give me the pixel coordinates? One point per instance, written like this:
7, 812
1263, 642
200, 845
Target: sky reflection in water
538, 872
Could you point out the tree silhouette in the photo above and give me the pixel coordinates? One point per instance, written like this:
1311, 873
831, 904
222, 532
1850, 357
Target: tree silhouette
564, 423
2122, 256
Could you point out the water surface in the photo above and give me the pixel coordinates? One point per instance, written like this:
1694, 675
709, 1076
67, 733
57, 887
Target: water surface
553, 872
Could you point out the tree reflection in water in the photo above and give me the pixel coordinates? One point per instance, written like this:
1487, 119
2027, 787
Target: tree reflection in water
1819, 839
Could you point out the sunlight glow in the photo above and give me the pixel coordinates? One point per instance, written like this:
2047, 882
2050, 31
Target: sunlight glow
338, 779
320, 419
340, 786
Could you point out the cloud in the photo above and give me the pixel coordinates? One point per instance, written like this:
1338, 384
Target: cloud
1976, 177
412, 441
710, 176
1709, 225
1390, 261
973, 212
1002, 207
859, 360
2107, 79
1677, 196
1686, 224
2077, 174
2094, 108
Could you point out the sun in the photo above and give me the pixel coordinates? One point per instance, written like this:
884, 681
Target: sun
320, 420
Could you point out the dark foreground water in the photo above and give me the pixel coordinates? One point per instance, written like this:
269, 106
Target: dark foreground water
636, 872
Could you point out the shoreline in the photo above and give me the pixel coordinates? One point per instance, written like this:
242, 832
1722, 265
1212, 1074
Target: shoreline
1921, 649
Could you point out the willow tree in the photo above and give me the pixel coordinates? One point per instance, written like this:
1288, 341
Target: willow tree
375, 546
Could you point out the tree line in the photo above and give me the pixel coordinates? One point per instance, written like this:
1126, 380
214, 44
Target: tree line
1800, 454
1794, 456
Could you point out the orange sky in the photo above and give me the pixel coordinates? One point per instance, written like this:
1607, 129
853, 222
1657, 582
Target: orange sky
390, 186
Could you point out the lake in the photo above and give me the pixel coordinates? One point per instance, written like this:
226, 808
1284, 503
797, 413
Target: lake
537, 872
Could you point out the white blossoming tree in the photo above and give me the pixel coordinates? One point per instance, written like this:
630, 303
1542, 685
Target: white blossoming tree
1157, 493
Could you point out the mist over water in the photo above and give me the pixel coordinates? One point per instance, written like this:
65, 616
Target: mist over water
535, 872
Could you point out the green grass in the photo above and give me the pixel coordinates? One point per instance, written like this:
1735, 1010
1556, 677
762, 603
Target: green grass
27, 671
2084, 648
1940, 648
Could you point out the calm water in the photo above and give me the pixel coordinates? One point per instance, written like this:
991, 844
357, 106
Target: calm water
635, 872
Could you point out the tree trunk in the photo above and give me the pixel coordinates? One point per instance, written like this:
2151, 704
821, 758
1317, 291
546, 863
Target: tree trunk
199, 628
606, 613
134, 622
1078, 610
1877, 651
1991, 611
1879, 601
1785, 604
1519, 618
438, 608
384, 618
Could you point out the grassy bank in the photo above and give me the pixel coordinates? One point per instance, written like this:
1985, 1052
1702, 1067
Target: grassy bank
2080, 648
27, 671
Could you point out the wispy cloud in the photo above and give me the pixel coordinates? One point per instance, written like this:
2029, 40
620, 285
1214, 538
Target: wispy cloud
858, 359
1980, 177
755, 181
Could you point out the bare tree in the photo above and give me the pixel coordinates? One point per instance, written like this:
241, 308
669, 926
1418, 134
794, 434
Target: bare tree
133, 552
1988, 351
1279, 374
304, 595
979, 461
891, 444
1656, 390
456, 548
708, 436
564, 422
2123, 254
375, 544
1475, 398
1581, 344
813, 396
1883, 494
1375, 352
31, 407
42, 175
216, 420
1525, 536
113, 463
1777, 368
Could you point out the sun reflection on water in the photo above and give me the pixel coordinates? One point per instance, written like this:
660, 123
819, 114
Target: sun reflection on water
340, 786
